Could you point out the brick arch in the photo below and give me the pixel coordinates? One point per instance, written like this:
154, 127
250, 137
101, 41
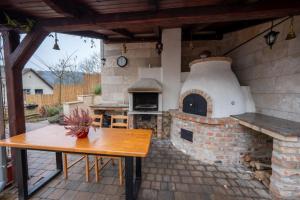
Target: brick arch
201, 93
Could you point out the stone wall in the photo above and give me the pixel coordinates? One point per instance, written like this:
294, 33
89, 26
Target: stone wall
116, 80
218, 140
191, 51
272, 74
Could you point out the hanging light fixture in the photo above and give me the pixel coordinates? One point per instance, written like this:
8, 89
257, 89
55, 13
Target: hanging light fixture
271, 37
291, 34
55, 46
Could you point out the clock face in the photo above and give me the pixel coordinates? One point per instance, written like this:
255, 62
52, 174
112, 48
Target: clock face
122, 61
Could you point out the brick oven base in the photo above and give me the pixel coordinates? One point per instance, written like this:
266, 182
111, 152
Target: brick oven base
217, 140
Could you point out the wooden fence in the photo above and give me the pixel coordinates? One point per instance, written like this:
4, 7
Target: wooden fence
68, 93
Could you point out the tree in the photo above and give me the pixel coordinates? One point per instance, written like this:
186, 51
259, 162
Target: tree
91, 65
59, 70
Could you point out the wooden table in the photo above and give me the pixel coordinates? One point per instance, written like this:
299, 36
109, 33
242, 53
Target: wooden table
133, 144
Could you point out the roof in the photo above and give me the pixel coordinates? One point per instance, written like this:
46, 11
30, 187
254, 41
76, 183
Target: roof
142, 20
26, 70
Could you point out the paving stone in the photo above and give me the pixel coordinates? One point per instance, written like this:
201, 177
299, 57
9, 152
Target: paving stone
187, 179
165, 195
146, 184
167, 174
155, 185
83, 196
158, 177
175, 179
149, 194
110, 189
182, 187
56, 194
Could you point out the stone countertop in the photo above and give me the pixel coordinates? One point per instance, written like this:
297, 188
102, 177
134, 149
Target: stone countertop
281, 129
112, 106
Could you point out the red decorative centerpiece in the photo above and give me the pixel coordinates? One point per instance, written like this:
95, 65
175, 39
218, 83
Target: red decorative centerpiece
78, 123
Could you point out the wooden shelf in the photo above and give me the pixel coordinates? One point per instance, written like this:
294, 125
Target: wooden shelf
280, 129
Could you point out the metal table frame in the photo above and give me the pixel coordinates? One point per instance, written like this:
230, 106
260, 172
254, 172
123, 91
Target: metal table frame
132, 183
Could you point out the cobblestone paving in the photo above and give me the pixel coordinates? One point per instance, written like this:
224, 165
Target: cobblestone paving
168, 174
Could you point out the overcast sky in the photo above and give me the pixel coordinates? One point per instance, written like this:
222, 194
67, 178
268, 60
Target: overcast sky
68, 44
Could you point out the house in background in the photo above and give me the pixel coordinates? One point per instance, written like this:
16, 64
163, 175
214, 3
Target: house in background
33, 83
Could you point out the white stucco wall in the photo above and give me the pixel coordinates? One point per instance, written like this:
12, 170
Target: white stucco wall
154, 73
171, 67
32, 82
217, 80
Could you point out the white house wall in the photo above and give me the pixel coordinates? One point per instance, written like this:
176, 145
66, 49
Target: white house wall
32, 82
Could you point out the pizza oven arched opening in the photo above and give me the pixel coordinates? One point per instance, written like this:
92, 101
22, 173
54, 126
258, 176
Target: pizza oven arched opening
195, 104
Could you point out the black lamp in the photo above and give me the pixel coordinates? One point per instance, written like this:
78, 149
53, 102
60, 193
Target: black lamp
271, 37
55, 46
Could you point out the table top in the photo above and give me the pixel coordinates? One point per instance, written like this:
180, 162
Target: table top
104, 141
275, 127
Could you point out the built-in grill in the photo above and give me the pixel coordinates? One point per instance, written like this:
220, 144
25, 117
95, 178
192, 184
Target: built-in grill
145, 101
145, 105
195, 104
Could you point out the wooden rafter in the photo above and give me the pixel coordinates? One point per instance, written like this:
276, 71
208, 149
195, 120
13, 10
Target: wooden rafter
124, 32
90, 34
154, 4
176, 17
70, 8
27, 47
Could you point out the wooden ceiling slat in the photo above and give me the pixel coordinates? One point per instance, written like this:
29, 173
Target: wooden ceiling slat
177, 17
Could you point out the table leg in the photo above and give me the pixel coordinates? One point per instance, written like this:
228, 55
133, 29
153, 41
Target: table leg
59, 163
132, 185
21, 173
138, 169
129, 178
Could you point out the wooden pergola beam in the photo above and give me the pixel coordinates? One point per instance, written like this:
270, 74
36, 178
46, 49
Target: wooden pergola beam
90, 34
27, 47
124, 32
176, 17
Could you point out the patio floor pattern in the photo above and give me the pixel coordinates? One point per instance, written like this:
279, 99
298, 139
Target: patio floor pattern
168, 174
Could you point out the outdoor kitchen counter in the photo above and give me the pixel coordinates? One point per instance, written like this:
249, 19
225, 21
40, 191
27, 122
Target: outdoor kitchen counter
280, 129
110, 106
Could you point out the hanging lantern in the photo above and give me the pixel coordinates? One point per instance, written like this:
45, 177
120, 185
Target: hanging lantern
271, 37
291, 34
159, 47
55, 46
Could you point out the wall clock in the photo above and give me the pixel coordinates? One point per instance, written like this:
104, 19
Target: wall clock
122, 61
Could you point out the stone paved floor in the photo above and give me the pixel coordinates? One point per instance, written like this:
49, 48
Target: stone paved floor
167, 174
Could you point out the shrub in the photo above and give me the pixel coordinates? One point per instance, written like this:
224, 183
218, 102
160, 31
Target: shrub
54, 110
55, 119
98, 90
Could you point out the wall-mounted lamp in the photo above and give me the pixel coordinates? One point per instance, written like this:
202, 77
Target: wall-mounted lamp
55, 46
271, 37
159, 45
103, 60
291, 34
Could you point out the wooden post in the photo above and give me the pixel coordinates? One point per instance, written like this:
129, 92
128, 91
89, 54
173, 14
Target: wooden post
16, 55
14, 85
